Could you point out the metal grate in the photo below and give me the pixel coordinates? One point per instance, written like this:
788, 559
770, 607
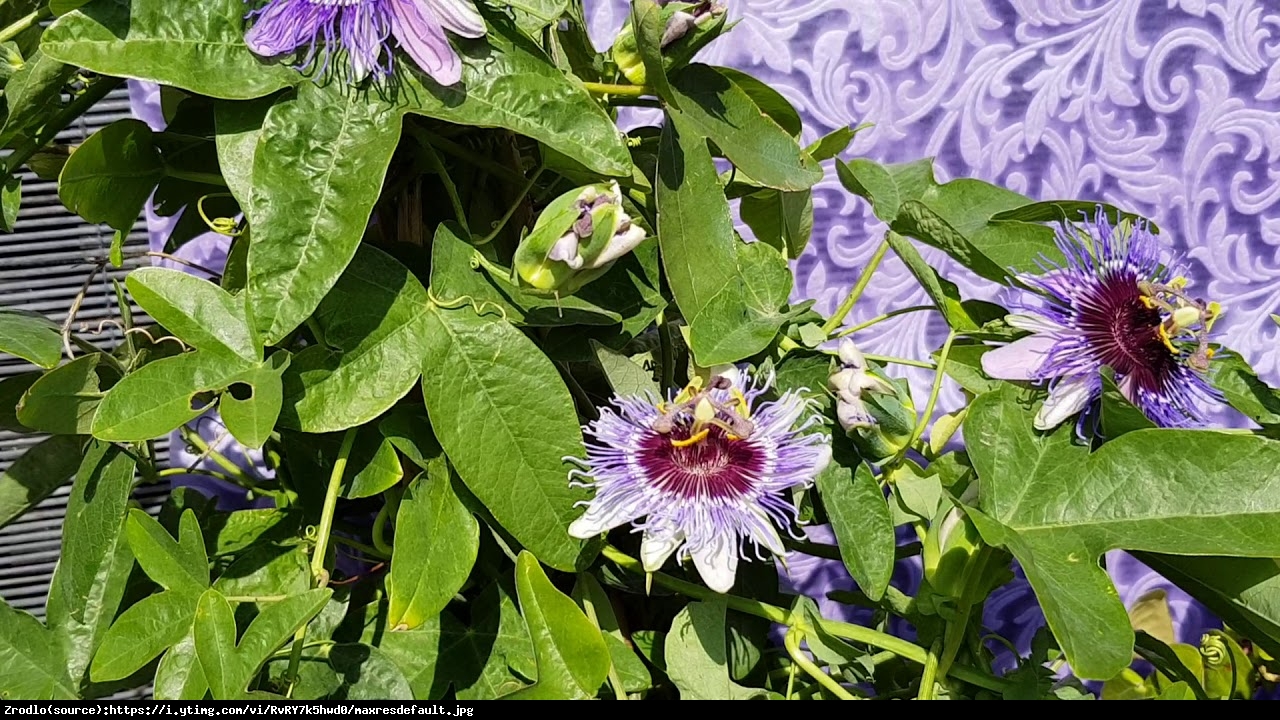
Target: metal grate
43, 265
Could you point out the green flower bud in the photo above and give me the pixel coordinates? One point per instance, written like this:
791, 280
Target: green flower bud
575, 240
877, 413
949, 548
687, 28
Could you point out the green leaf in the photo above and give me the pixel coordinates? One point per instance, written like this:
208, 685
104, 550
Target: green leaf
626, 377
179, 675
64, 400
1244, 592
195, 46
373, 321
1058, 211
594, 601
30, 336
199, 312
770, 101
144, 631
571, 655
534, 15
229, 666
956, 217
409, 431
1239, 384
964, 365
167, 393
42, 469
832, 144
507, 82
179, 565
744, 317
10, 203
944, 294
366, 673
716, 108
31, 94
863, 526
238, 126
436, 544
318, 170
374, 465
699, 249
266, 570
784, 220
1057, 507
12, 389
648, 26
109, 178
31, 663
251, 405
697, 661
90, 578
487, 386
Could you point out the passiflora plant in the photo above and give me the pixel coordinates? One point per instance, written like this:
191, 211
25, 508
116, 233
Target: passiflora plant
537, 422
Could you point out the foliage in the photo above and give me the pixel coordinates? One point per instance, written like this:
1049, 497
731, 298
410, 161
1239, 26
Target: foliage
420, 403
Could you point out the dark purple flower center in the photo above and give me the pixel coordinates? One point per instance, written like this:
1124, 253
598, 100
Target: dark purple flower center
1125, 332
713, 467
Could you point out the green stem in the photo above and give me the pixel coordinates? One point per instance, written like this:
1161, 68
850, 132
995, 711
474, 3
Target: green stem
881, 318
168, 472
506, 217
450, 189
615, 681
365, 548
236, 474
954, 635
899, 361
621, 100
205, 178
380, 524
596, 88
933, 393
320, 576
450, 147
24, 22
77, 107
668, 353
929, 678
842, 312
857, 633
792, 643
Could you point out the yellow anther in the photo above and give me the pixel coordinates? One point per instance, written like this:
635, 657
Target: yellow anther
1209, 353
1178, 283
1211, 315
1164, 338
742, 407
1148, 302
692, 439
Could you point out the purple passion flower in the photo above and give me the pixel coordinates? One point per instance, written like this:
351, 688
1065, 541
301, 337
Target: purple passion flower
1111, 303
707, 471
365, 29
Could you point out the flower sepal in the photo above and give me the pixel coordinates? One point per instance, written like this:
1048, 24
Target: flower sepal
576, 239
949, 549
687, 28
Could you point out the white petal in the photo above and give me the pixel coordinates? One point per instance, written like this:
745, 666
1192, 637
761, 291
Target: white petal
458, 16
1019, 360
420, 35
717, 563
765, 534
1033, 323
603, 517
620, 245
656, 547
850, 355
566, 251
1068, 398
853, 415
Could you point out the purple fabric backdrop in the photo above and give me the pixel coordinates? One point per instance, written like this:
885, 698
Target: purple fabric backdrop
1169, 108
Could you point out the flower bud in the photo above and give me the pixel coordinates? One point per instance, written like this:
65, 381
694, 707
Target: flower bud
576, 239
878, 415
949, 548
687, 28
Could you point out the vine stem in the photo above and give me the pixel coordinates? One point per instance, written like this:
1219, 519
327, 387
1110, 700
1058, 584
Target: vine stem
236, 474
319, 576
899, 361
506, 217
91, 95
857, 633
24, 22
204, 178
668, 354
596, 88
842, 312
954, 634
933, 393
930, 675
881, 318
792, 644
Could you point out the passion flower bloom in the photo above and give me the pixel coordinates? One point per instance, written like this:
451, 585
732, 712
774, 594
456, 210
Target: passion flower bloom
1111, 303
365, 29
706, 470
